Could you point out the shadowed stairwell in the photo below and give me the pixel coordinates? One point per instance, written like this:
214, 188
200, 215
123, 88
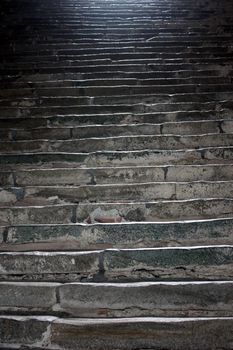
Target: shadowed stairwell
116, 198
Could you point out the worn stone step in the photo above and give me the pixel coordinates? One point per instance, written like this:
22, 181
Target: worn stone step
214, 155
103, 300
115, 97
170, 333
52, 211
122, 66
71, 92
121, 192
156, 102
208, 262
118, 143
88, 131
108, 175
162, 43
48, 211
70, 58
74, 55
108, 58
43, 80
51, 97
116, 235
75, 50
160, 210
211, 262
77, 120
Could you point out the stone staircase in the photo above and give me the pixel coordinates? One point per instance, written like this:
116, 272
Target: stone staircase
116, 152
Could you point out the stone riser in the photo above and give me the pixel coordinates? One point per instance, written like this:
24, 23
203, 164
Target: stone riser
121, 235
108, 175
209, 155
185, 263
152, 333
64, 79
118, 143
66, 133
31, 83
116, 53
158, 299
141, 66
77, 120
46, 211
157, 103
136, 192
72, 59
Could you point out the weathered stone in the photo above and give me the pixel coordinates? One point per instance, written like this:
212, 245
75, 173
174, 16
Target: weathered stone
25, 330
27, 297
124, 235
60, 213
176, 333
54, 266
141, 333
119, 143
212, 262
147, 299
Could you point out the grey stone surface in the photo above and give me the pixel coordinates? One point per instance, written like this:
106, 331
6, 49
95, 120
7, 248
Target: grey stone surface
128, 235
48, 266
27, 297
210, 263
154, 333
119, 107
147, 299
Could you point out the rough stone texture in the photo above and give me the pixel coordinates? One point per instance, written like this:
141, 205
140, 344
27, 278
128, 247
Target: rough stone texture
121, 108
81, 236
147, 299
152, 333
25, 330
46, 266
101, 300
209, 263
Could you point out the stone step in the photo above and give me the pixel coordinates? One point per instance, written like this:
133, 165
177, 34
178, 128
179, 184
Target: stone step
92, 80
118, 143
208, 155
112, 33
103, 300
65, 50
163, 103
82, 65
139, 174
161, 43
156, 103
100, 99
34, 55
89, 131
138, 192
77, 120
12, 86
119, 66
72, 57
128, 333
134, 32
182, 263
115, 235
181, 39
176, 72
49, 211
50, 100
188, 263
